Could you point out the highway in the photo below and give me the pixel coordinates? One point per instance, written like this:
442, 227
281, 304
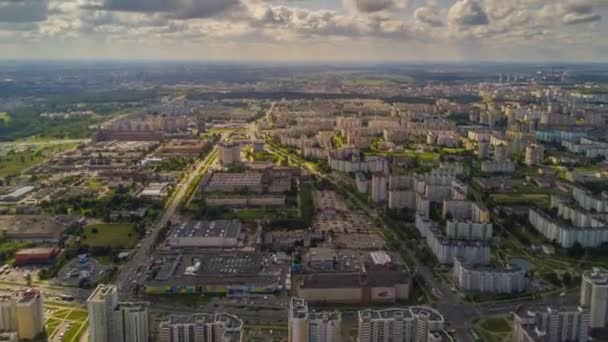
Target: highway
128, 272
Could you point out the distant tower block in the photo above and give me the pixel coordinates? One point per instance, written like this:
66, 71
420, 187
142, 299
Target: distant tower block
500, 152
483, 151
229, 153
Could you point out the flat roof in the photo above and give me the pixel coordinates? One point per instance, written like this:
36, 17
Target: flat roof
332, 280
219, 228
19, 192
40, 250
236, 179
401, 313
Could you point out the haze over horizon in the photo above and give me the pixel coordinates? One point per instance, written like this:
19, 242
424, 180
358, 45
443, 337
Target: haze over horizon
306, 30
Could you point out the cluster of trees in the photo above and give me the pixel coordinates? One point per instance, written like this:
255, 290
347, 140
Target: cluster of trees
8, 249
26, 121
304, 220
100, 208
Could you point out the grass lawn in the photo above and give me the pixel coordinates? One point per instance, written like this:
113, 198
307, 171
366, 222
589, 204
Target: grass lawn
5, 117
104, 259
497, 329
94, 184
250, 215
57, 314
453, 150
14, 163
77, 315
119, 235
496, 325
542, 200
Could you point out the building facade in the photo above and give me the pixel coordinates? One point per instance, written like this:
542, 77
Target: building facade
487, 279
594, 296
412, 324
305, 326
551, 324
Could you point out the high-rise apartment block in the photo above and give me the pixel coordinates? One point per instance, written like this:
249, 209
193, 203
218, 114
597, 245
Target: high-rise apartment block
306, 326
534, 154
413, 324
133, 322
200, 328
101, 305
551, 324
22, 313
594, 296
110, 320
229, 153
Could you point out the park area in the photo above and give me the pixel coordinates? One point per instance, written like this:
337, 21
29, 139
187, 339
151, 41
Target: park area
14, 160
496, 329
113, 235
516, 198
65, 323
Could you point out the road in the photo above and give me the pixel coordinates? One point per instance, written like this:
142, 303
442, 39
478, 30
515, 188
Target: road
459, 314
128, 272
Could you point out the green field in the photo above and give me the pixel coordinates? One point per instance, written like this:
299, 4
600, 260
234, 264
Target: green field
119, 235
5, 118
542, 200
497, 329
453, 150
58, 315
14, 162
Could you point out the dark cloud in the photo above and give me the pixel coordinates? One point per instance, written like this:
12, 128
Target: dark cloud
371, 6
573, 19
467, 13
23, 11
180, 9
579, 12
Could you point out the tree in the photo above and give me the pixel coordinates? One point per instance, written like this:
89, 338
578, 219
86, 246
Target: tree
566, 278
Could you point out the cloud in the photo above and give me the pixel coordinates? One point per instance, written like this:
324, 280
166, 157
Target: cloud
467, 13
23, 11
302, 23
180, 9
569, 12
429, 14
372, 6
578, 12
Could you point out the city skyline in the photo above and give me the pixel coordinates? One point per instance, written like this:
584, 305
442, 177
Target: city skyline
306, 30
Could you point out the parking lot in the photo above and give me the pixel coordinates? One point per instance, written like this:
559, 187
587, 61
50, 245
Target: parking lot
74, 271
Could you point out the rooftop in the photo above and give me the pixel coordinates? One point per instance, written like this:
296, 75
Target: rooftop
401, 313
235, 179
220, 228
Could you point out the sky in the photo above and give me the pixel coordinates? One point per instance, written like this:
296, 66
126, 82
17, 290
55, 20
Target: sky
306, 30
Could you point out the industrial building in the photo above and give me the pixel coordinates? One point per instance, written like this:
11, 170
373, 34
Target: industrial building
235, 273
206, 234
36, 256
351, 277
17, 194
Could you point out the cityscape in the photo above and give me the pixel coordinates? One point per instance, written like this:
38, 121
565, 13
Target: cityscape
303, 171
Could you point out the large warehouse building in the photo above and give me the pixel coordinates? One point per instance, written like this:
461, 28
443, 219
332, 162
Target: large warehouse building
206, 234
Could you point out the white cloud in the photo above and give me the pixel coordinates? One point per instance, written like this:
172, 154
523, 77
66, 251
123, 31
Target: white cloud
467, 13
